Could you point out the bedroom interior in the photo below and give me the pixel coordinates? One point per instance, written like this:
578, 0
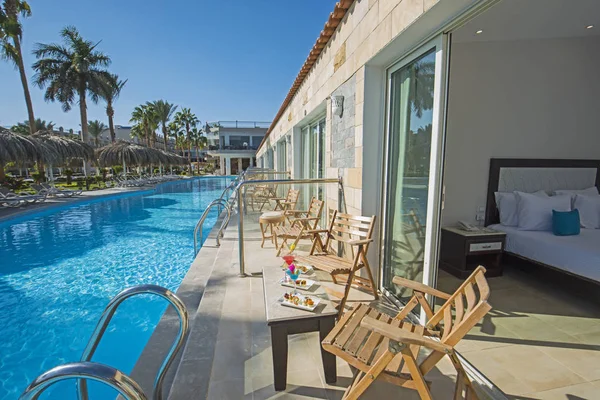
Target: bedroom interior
522, 140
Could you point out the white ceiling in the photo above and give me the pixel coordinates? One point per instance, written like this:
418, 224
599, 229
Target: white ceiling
533, 19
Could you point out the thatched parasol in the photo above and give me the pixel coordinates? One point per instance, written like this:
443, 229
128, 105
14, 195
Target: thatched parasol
19, 148
64, 148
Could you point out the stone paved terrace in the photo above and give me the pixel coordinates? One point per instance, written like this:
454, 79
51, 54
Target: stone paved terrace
228, 354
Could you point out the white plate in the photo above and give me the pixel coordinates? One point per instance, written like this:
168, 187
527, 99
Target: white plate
287, 281
309, 268
286, 303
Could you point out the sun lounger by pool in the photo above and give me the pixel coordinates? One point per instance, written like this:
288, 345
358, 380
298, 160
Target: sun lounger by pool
8, 196
53, 191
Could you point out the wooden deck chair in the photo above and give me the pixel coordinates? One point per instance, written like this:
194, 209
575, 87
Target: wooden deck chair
354, 231
385, 348
287, 203
262, 195
301, 223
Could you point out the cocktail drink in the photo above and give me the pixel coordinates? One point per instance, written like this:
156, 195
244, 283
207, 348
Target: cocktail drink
289, 259
293, 272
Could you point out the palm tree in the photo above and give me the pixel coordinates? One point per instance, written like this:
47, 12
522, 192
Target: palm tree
95, 130
137, 131
72, 70
188, 120
24, 128
164, 110
109, 92
11, 33
199, 141
145, 116
175, 131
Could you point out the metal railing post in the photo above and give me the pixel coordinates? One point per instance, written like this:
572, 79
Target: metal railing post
241, 230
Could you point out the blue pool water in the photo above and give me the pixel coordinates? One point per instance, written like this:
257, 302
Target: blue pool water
59, 268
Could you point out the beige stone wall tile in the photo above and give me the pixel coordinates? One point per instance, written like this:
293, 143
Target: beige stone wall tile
429, 3
360, 92
358, 113
358, 12
405, 14
373, 3
353, 177
358, 198
363, 30
382, 35
358, 135
358, 157
386, 7
360, 74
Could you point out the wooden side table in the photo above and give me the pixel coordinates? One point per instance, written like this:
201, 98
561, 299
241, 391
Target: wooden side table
266, 221
462, 251
285, 321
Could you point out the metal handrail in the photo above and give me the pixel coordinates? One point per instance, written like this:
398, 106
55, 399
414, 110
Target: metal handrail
218, 202
110, 376
240, 205
109, 312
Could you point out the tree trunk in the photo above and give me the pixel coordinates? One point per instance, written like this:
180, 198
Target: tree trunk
12, 13
2, 173
111, 126
84, 126
166, 140
198, 159
21, 66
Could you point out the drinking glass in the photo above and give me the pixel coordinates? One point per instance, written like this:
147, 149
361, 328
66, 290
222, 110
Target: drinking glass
294, 276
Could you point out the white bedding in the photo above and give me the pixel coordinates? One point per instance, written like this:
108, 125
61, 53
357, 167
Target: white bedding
578, 254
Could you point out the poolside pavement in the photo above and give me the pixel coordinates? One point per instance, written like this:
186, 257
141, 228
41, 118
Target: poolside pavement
229, 355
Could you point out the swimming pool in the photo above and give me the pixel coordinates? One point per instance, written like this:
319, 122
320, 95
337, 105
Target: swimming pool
60, 267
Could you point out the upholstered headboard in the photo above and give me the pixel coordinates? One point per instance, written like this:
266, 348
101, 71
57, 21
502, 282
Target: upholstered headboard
531, 175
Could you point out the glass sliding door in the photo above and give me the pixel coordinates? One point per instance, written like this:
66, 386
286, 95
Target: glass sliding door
313, 157
413, 169
281, 157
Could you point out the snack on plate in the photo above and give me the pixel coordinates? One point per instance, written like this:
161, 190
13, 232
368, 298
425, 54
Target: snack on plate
308, 301
303, 268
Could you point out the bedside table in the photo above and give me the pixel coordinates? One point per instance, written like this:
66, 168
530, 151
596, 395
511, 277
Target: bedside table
462, 251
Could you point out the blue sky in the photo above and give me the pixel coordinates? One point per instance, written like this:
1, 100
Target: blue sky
225, 59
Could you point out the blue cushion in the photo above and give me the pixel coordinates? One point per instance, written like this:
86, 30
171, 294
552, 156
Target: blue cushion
565, 223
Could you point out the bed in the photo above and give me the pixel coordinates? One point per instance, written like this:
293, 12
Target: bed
573, 255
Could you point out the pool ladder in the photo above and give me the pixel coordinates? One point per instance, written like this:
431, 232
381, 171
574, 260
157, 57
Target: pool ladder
220, 203
85, 369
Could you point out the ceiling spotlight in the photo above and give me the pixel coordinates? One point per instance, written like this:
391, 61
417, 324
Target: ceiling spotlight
589, 27
479, 31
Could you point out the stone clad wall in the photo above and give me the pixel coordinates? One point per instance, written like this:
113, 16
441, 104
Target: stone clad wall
342, 127
369, 25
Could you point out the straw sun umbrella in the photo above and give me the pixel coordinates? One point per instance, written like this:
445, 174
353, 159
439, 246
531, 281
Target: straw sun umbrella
62, 148
132, 154
20, 149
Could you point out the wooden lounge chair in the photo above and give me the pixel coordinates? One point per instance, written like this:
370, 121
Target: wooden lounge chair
301, 223
385, 348
287, 203
261, 195
356, 233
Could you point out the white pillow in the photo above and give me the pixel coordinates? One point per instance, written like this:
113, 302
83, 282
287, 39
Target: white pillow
589, 191
507, 205
589, 210
535, 212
